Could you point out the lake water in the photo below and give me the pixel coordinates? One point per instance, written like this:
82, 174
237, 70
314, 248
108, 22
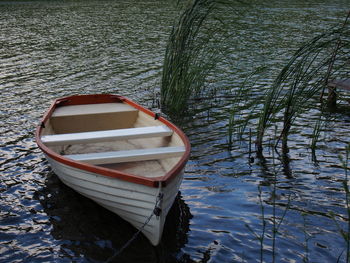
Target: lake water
50, 49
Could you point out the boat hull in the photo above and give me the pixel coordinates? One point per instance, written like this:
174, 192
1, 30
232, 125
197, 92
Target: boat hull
134, 203
119, 154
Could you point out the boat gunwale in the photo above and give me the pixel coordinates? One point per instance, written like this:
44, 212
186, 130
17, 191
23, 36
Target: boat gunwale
110, 98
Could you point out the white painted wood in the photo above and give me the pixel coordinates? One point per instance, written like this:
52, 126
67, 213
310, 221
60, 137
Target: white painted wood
111, 193
88, 109
129, 155
108, 135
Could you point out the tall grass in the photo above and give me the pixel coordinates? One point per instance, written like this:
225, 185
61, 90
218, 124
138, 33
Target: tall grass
194, 48
298, 87
316, 136
238, 120
183, 73
346, 233
275, 219
260, 237
305, 75
307, 237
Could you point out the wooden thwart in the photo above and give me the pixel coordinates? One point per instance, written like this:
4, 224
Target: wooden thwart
92, 109
129, 155
108, 135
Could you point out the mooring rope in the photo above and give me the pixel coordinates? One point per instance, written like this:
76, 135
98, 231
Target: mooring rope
156, 211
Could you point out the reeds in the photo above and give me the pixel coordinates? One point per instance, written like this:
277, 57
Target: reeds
298, 87
260, 237
346, 233
305, 76
182, 71
307, 237
270, 232
238, 118
193, 51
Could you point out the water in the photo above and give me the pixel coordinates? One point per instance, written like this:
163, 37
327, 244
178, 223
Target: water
50, 49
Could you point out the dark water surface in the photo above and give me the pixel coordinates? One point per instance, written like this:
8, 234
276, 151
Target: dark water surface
50, 49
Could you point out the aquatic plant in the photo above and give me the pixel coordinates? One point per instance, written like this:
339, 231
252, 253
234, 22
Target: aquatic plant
276, 223
276, 219
182, 74
307, 237
304, 76
261, 236
192, 52
316, 135
346, 233
238, 121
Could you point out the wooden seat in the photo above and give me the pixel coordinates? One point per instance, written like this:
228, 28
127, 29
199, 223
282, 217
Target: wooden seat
109, 135
92, 109
93, 117
129, 155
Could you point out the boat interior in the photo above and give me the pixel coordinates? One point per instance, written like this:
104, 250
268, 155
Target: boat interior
113, 135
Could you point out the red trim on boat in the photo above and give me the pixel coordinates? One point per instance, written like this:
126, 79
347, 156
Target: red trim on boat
109, 98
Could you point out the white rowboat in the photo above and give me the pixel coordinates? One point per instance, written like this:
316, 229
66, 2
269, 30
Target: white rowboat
117, 153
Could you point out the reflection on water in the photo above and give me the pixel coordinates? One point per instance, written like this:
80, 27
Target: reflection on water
50, 49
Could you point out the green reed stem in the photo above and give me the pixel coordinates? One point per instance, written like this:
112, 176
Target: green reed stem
346, 187
185, 65
276, 225
306, 238
263, 227
345, 234
196, 45
260, 237
238, 120
301, 79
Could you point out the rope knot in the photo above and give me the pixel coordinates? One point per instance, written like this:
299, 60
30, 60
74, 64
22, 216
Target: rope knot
157, 210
